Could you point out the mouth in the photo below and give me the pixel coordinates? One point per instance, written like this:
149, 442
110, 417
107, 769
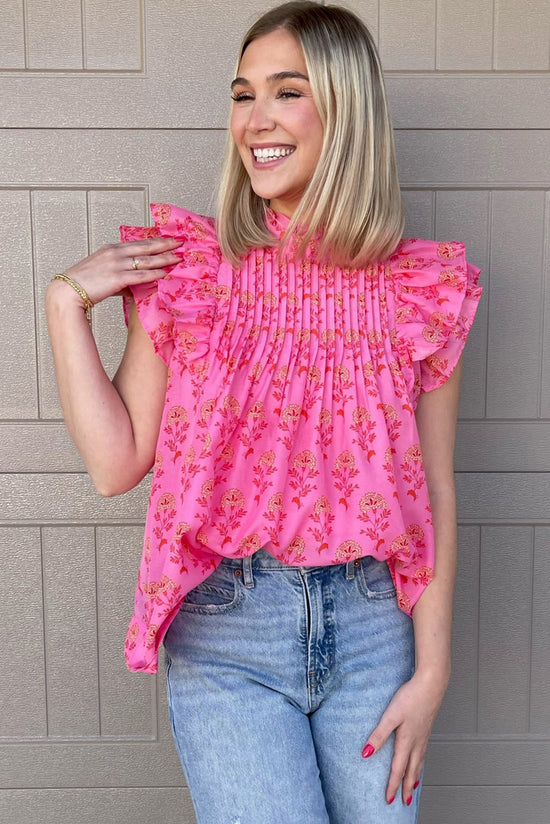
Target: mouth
270, 155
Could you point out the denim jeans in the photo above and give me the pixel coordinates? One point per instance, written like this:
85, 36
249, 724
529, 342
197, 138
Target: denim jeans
276, 676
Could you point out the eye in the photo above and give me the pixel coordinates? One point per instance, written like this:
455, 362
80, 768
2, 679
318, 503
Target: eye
288, 94
238, 97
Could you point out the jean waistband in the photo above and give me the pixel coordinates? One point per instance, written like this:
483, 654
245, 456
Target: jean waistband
264, 560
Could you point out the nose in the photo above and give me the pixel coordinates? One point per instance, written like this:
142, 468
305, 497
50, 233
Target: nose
260, 117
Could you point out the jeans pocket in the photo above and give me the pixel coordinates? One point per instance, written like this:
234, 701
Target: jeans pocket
220, 592
374, 579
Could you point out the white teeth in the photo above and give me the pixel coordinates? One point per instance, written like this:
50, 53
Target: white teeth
271, 153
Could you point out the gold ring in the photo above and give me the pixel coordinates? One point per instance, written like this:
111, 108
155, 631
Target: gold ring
135, 263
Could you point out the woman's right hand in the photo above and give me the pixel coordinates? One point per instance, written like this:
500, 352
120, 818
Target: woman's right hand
110, 270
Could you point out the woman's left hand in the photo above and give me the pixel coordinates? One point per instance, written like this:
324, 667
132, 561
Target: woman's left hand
411, 714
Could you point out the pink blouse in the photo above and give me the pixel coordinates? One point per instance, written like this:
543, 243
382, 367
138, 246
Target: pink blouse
289, 415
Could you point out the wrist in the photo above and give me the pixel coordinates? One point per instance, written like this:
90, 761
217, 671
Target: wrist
434, 677
62, 294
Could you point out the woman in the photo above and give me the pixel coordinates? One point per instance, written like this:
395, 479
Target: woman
292, 370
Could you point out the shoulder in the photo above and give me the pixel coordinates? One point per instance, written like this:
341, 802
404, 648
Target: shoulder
174, 221
184, 224
416, 253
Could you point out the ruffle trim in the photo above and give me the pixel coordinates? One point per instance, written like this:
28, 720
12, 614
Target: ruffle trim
179, 309
437, 295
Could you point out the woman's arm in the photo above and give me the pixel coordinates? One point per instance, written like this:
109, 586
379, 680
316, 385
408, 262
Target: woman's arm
413, 709
113, 424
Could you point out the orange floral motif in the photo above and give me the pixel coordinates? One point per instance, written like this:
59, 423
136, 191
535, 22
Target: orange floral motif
301, 475
413, 453
274, 517
411, 263
399, 547
187, 342
343, 388
348, 551
132, 635
176, 428
290, 418
372, 501
447, 251
403, 601
275, 503
262, 473
230, 514
365, 429
181, 530
393, 421
344, 473
232, 405
449, 277
150, 637
431, 334
166, 502
158, 472
164, 517
147, 549
250, 544
375, 515
177, 414
154, 589
208, 487
223, 293
294, 553
161, 212
423, 576
207, 410
251, 429
322, 520
267, 459
413, 470
415, 533
233, 498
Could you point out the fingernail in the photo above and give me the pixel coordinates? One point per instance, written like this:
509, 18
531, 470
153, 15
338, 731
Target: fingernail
368, 750
409, 800
416, 783
392, 799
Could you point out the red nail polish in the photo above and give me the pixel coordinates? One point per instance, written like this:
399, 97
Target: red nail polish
416, 783
368, 750
392, 799
409, 800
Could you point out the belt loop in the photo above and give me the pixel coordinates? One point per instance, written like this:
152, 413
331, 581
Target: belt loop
248, 577
351, 566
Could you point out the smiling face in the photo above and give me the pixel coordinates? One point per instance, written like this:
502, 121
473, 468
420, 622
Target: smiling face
274, 120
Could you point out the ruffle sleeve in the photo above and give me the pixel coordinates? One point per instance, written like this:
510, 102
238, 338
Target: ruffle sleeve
436, 297
178, 311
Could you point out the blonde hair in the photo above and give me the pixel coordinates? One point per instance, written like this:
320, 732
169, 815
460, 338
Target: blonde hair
353, 199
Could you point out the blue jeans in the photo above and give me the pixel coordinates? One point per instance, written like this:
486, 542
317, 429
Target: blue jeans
276, 676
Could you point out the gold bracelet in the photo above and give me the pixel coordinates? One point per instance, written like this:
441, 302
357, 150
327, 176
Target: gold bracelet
82, 292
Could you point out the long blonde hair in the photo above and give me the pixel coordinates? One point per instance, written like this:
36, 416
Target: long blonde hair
353, 198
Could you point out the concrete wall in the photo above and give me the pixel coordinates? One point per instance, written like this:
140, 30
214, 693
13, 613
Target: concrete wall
108, 105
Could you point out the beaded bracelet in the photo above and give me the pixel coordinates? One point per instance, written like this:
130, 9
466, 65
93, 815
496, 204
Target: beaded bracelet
82, 292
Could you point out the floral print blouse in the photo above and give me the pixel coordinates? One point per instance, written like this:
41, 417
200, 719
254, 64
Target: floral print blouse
289, 418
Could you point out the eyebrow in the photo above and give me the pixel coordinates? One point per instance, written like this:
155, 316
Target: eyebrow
273, 78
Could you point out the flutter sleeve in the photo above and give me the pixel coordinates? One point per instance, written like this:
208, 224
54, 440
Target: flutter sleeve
178, 310
436, 297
